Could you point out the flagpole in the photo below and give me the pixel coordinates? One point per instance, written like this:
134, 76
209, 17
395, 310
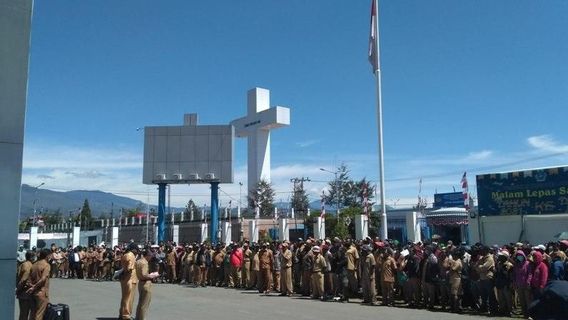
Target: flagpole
383, 216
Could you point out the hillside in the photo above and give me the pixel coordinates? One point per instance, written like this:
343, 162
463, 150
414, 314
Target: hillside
99, 202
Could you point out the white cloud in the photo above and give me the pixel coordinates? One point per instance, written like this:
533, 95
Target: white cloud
117, 171
91, 158
479, 155
547, 143
307, 143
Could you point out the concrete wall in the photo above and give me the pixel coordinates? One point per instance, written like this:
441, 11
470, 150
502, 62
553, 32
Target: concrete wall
538, 229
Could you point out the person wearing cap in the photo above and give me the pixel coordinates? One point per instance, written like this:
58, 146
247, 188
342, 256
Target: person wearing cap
286, 272
265, 258
368, 275
455, 267
145, 283
485, 266
245, 271
388, 277
352, 258
503, 283
307, 265
318, 266
254, 268
128, 281
297, 268
218, 257
276, 267
171, 265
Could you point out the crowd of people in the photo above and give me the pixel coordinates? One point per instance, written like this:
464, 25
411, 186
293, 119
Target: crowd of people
492, 280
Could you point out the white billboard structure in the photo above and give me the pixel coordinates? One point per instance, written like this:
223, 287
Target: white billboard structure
256, 126
188, 154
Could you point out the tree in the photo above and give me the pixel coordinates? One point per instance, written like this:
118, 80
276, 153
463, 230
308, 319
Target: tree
189, 208
300, 201
340, 189
263, 196
347, 192
85, 218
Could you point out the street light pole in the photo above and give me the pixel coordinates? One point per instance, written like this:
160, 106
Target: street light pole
35, 202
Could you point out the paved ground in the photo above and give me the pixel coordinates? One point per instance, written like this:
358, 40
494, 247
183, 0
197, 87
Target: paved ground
100, 301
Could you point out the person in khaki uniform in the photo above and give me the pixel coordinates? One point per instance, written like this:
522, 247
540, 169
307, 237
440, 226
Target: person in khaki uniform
307, 265
276, 267
245, 271
454, 278
368, 275
318, 267
265, 258
38, 285
254, 267
128, 281
217, 260
144, 284
352, 256
388, 277
24, 299
171, 265
286, 272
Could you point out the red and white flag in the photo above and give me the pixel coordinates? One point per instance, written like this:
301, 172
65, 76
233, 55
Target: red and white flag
465, 191
373, 38
322, 214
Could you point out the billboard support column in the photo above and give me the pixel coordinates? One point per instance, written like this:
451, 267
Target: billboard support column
214, 212
161, 211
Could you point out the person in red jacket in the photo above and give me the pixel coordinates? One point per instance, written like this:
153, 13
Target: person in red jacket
538, 275
236, 259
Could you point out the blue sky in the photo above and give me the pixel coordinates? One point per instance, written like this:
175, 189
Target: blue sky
479, 85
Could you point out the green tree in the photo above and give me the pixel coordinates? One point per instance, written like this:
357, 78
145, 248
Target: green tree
262, 196
340, 189
299, 200
85, 218
189, 207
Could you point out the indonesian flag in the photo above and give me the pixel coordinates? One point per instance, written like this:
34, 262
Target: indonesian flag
373, 38
322, 215
365, 201
465, 191
257, 212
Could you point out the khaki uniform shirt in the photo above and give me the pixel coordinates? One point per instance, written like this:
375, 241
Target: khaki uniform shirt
265, 259
389, 269
128, 263
368, 267
319, 263
40, 274
142, 273
352, 258
486, 267
286, 258
22, 278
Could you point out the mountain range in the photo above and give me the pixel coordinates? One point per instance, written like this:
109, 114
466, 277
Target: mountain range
72, 201
100, 202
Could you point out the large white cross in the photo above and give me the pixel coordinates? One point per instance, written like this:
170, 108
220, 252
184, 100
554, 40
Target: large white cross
256, 126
